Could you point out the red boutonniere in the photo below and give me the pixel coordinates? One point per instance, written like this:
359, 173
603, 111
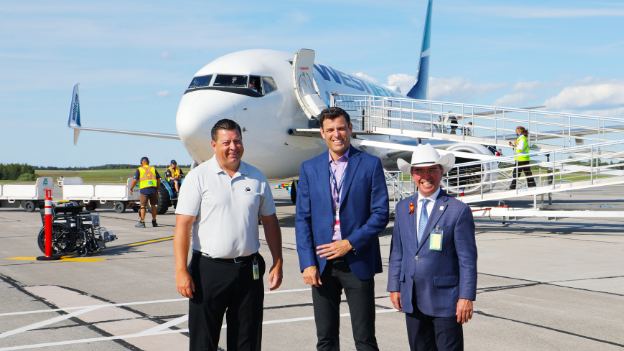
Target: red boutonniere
411, 208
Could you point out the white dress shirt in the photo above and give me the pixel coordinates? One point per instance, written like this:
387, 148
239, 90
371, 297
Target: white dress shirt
430, 204
225, 208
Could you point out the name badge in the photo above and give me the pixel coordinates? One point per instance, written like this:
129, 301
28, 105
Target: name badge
256, 269
435, 239
337, 220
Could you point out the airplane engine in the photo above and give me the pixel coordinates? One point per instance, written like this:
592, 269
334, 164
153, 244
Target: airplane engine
470, 178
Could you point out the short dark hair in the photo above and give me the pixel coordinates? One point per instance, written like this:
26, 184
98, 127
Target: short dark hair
333, 112
225, 124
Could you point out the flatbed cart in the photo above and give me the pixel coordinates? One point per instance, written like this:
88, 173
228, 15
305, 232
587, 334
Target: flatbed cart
115, 196
28, 196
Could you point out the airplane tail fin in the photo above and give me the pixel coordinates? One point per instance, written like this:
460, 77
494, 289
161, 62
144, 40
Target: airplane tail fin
420, 89
74, 114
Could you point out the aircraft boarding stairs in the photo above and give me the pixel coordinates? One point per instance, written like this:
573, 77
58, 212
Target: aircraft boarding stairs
568, 151
491, 125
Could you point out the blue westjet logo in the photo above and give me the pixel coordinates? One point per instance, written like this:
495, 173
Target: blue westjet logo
339, 77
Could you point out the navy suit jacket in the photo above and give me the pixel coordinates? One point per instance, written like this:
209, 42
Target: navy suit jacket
363, 212
439, 278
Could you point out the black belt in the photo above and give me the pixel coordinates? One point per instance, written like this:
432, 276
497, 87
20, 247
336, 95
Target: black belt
240, 259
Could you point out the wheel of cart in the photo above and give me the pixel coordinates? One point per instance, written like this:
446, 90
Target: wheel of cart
63, 239
120, 207
164, 197
29, 206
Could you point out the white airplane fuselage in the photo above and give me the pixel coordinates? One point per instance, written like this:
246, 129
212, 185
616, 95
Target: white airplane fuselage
265, 120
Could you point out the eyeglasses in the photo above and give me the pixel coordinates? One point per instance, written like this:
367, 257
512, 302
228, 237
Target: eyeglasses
421, 172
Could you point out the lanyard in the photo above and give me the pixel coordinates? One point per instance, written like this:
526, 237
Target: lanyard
337, 187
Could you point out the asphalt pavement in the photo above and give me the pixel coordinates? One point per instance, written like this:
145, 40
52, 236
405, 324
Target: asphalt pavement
542, 285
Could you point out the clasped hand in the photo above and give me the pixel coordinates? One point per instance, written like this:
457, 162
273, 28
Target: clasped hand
335, 249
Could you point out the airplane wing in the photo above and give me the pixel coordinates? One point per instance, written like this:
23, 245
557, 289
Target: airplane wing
74, 123
388, 150
397, 150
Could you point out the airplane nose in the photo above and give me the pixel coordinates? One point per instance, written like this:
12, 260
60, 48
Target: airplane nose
197, 114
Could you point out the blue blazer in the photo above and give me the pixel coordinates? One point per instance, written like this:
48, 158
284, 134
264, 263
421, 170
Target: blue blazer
439, 278
363, 212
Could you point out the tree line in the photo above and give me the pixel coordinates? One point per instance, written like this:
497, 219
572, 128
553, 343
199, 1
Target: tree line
103, 167
13, 171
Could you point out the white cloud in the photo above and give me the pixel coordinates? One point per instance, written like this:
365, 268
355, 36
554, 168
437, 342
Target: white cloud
541, 12
167, 55
530, 86
404, 81
459, 88
299, 17
614, 112
445, 88
163, 93
365, 76
589, 93
514, 100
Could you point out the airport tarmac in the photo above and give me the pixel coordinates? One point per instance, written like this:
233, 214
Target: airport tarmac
542, 285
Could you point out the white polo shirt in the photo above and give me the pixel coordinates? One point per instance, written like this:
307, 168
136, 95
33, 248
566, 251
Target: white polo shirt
226, 208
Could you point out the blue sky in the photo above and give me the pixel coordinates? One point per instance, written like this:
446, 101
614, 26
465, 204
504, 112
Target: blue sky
134, 60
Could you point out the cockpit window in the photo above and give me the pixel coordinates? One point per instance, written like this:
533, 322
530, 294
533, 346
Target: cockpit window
230, 81
254, 86
199, 82
268, 85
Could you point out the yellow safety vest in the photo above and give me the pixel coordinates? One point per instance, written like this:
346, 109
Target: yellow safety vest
175, 173
147, 177
522, 155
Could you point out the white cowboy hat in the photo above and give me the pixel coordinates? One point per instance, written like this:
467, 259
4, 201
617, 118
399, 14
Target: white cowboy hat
425, 156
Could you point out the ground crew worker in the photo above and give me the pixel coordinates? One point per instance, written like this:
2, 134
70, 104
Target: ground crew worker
149, 183
522, 157
174, 175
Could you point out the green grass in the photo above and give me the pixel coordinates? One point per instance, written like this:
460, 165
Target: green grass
98, 176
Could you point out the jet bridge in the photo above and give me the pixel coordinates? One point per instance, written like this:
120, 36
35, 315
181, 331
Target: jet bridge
568, 151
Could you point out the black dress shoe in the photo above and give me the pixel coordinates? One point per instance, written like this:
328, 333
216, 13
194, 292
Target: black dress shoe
154, 224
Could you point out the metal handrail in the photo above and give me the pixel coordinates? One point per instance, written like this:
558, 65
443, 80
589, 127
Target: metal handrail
513, 109
482, 178
420, 115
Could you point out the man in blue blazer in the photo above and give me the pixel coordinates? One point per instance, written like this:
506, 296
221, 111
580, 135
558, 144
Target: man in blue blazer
432, 273
342, 206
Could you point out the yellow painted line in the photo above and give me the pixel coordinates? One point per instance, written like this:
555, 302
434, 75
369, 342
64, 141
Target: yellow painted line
66, 259
80, 259
22, 258
145, 242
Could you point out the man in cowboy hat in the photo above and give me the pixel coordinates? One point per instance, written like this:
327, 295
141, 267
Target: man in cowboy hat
432, 273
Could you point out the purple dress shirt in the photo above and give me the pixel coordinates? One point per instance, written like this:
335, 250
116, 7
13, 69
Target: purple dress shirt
338, 168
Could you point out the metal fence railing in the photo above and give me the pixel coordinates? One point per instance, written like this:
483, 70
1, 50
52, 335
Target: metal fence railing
556, 170
472, 122
399, 186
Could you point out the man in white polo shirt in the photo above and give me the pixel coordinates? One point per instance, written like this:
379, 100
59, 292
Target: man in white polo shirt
220, 203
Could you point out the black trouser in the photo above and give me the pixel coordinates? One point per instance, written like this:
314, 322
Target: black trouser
361, 299
220, 286
427, 333
523, 166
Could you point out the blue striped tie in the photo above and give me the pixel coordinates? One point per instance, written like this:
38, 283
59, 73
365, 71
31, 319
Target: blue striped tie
424, 218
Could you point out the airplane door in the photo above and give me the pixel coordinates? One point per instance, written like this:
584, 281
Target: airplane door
305, 88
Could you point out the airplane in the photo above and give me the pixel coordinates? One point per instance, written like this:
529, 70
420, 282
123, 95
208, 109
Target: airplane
271, 94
